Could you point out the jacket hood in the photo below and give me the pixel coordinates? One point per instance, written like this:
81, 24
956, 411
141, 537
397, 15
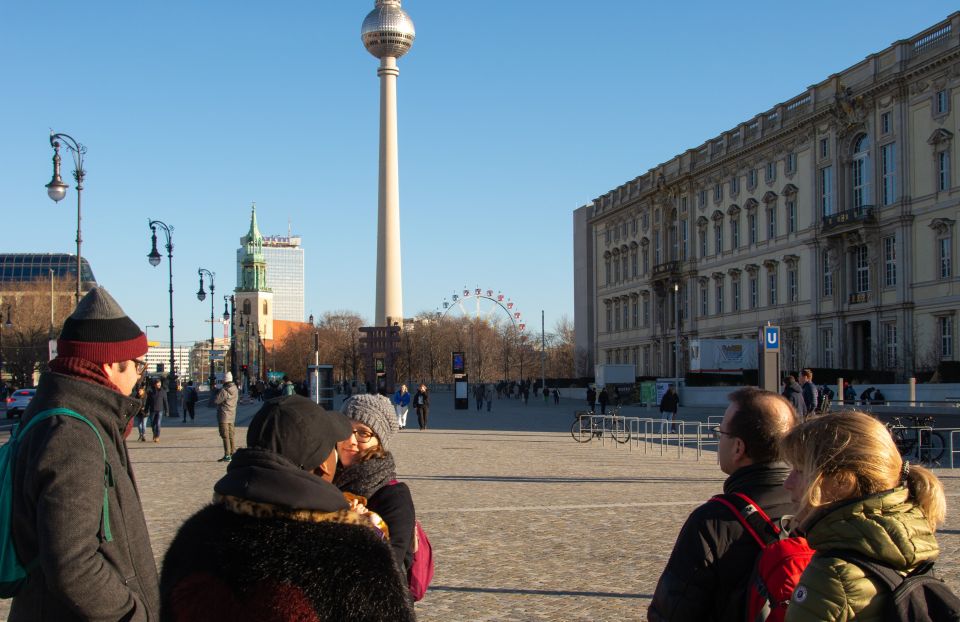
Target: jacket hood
266, 477
886, 526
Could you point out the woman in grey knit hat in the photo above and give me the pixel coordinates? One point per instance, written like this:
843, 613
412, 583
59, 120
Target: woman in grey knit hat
367, 469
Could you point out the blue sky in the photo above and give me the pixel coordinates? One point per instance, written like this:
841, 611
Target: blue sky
512, 113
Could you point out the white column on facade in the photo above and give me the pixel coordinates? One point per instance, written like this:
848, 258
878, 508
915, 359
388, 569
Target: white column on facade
389, 304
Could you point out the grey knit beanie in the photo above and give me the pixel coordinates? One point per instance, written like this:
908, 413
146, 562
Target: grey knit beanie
374, 411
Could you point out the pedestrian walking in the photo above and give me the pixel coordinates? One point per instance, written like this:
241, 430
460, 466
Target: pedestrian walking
80, 566
602, 399
401, 405
488, 395
141, 417
478, 395
157, 405
190, 398
556, 397
226, 401
591, 398
421, 401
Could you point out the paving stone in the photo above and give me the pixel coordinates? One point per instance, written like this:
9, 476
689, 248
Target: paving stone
526, 524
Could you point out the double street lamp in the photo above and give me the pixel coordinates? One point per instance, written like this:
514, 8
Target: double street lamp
57, 189
201, 295
154, 258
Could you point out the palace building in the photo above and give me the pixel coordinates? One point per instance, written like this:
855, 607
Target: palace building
832, 215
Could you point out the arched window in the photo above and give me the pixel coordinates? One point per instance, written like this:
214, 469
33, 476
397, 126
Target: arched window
246, 307
860, 171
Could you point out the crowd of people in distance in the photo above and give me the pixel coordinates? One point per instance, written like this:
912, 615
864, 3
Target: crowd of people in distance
310, 521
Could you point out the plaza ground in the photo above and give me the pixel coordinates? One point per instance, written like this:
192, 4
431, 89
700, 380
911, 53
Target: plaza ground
525, 523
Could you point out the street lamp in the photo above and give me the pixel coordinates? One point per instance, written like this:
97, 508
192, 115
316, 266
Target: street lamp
57, 189
201, 295
154, 258
233, 335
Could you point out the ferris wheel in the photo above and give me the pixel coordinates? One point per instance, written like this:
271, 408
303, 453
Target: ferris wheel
485, 305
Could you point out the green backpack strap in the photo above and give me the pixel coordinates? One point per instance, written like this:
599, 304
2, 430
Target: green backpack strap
107, 472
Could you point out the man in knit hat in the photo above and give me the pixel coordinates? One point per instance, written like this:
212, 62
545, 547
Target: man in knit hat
226, 401
89, 560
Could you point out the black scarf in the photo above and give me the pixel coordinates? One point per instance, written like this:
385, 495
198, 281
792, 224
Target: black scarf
367, 477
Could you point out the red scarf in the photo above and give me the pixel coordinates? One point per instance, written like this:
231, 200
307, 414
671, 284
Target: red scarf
82, 369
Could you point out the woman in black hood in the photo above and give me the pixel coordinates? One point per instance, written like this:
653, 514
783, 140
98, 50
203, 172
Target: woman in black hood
279, 542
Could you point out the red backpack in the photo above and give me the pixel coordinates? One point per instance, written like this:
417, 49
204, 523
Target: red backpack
781, 561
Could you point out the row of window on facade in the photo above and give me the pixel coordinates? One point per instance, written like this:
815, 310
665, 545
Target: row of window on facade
647, 357
628, 312
625, 263
633, 311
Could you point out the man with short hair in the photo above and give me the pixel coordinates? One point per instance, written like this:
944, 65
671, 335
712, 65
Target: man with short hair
809, 390
713, 557
89, 556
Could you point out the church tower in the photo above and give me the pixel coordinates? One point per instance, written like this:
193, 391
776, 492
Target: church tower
253, 298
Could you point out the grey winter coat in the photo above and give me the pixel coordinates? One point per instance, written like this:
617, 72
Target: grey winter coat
58, 506
794, 395
226, 402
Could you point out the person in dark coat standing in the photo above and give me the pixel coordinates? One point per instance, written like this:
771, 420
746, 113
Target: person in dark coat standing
794, 394
669, 404
280, 542
369, 471
591, 398
81, 570
714, 555
421, 401
603, 398
157, 406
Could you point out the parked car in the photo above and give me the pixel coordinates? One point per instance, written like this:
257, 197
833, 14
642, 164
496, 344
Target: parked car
17, 402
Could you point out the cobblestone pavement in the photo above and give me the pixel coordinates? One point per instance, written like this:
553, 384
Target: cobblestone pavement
526, 524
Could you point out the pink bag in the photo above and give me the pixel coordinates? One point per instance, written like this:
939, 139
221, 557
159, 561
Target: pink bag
421, 570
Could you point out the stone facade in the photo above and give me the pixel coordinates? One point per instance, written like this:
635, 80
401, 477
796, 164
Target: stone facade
832, 215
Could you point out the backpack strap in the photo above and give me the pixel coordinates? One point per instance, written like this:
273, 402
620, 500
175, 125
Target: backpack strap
887, 575
108, 481
752, 517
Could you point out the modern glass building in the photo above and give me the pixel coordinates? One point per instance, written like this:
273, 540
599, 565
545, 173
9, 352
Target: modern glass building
284, 259
25, 267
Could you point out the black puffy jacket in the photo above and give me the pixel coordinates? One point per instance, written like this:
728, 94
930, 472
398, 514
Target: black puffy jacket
713, 557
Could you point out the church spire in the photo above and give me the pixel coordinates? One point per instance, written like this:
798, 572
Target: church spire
253, 265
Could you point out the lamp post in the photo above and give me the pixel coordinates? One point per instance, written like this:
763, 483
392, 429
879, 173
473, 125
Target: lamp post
676, 343
201, 295
6, 325
154, 258
227, 314
57, 189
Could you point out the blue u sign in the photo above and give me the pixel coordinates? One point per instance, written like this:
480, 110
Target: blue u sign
771, 338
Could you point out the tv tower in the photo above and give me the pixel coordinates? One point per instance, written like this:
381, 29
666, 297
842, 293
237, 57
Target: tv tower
388, 34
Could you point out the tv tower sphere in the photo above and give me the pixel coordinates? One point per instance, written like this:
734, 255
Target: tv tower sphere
387, 30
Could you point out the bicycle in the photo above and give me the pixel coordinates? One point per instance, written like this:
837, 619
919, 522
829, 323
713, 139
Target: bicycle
588, 425
919, 441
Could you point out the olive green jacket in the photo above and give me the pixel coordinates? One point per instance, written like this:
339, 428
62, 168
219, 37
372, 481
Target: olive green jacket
887, 527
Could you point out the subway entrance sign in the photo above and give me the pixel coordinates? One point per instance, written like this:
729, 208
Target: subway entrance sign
768, 365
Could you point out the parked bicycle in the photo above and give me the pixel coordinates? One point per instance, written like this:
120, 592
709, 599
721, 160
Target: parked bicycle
917, 441
588, 425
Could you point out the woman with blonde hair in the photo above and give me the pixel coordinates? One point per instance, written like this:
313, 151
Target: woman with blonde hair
856, 499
